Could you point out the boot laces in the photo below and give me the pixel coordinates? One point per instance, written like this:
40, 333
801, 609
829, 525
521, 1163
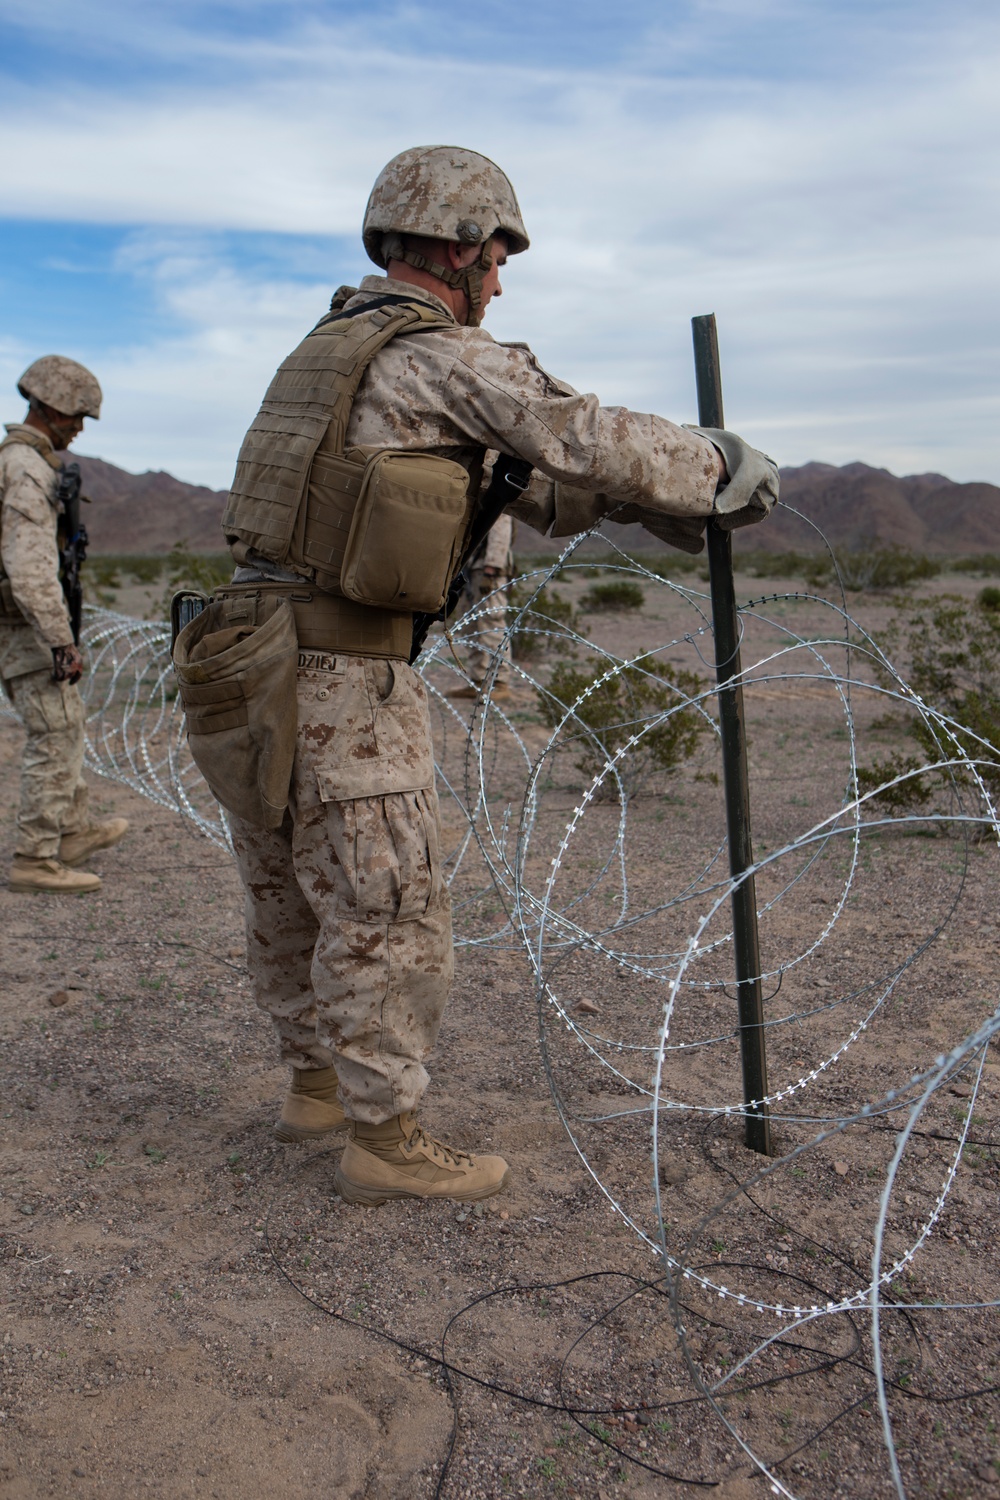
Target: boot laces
439, 1153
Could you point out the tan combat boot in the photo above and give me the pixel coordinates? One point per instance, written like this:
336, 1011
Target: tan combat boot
311, 1108
399, 1160
76, 847
28, 874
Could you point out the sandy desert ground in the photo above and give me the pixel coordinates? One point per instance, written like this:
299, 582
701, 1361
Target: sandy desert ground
189, 1309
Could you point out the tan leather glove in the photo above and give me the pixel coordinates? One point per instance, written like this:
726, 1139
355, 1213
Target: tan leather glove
687, 533
753, 484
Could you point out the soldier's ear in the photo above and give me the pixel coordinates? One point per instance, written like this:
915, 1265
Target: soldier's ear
460, 256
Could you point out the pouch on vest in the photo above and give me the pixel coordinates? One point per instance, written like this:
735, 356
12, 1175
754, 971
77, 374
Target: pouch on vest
237, 683
380, 529
407, 532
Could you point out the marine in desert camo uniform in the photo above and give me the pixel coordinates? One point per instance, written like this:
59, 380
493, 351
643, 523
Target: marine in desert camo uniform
40, 663
348, 914
486, 655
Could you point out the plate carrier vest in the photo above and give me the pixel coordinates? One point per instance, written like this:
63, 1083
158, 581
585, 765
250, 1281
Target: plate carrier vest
384, 530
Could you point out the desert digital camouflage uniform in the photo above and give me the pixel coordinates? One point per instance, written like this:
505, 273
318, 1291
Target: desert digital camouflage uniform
348, 915
34, 620
456, 392
348, 918
489, 577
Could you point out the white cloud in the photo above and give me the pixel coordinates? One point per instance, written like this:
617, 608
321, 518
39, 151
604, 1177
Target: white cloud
843, 228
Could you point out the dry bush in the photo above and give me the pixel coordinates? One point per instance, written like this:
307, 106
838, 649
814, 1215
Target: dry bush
205, 571
874, 569
606, 714
951, 655
545, 626
621, 594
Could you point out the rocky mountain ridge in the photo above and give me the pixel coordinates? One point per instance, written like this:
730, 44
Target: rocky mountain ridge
147, 513
853, 505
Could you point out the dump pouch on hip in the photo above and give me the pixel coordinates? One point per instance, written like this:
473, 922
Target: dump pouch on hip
238, 687
407, 532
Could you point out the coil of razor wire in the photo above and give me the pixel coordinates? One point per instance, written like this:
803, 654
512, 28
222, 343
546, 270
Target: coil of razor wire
662, 1069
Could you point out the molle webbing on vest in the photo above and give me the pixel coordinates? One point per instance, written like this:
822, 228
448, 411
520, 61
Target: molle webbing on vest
323, 622
312, 394
325, 515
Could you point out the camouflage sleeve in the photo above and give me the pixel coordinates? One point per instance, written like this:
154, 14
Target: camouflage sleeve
28, 547
599, 456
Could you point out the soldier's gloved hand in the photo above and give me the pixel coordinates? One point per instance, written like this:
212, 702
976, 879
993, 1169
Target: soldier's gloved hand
685, 532
753, 480
67, 664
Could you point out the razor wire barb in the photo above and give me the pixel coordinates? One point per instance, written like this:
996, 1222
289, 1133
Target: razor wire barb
578, 906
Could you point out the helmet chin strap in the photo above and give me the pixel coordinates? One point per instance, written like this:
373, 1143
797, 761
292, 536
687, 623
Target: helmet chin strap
469, 279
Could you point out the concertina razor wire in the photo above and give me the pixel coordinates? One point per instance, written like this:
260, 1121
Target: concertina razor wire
660, 1058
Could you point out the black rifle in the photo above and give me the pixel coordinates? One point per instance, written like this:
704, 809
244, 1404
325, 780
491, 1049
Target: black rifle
72, 544
510, 479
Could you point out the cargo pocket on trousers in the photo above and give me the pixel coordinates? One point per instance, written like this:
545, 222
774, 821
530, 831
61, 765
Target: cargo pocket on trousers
44, 706
413, 824
388, 853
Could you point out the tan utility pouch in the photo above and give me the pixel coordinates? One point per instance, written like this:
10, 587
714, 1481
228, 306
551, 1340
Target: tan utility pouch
238, 686
407, 533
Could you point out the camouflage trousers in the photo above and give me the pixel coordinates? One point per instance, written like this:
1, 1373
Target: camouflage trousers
348, 916
53, 793
483, 639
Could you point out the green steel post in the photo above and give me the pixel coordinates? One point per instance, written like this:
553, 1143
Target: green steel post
725, 622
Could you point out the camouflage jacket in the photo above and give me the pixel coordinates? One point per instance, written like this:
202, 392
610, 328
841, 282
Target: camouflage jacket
29, 554
456, 391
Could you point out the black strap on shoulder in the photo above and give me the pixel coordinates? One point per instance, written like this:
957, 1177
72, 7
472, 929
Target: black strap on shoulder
510, 479
367, 307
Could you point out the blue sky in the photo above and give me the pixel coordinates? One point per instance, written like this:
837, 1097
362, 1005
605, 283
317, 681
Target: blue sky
182, 187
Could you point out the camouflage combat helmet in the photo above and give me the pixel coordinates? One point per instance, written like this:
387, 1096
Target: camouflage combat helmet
63, 384
443, 193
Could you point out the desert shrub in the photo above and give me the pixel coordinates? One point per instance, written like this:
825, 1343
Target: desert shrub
185, 569
986, 566
103, 572
144, 569
546, 626
589, 562
529, 562
912, 793
606, 716
782, 565
877, 569
670, 564
950, 652
621, 594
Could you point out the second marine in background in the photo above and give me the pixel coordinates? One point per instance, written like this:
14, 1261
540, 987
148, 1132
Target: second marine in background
40, 657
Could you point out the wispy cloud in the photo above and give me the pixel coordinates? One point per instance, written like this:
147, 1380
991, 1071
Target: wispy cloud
822, 176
